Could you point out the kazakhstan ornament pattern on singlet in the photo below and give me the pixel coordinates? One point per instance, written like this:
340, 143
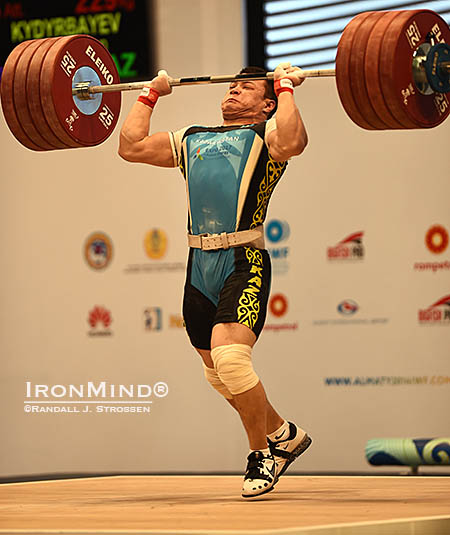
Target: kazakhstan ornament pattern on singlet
249, 305
274, 170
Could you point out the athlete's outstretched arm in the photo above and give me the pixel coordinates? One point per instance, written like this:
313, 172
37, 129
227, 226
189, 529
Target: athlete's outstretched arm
136, 145
289, 138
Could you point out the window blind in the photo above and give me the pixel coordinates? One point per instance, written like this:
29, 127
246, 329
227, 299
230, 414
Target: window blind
306, 32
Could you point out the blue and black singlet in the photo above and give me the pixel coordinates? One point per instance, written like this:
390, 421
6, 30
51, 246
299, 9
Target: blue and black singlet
230, 178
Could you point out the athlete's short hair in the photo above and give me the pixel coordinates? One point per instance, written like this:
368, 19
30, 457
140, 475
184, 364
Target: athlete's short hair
270, 93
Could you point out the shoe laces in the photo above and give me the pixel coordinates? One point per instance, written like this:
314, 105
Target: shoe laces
255, 466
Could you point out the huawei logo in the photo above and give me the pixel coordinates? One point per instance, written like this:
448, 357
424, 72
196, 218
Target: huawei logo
99, 319
99, 315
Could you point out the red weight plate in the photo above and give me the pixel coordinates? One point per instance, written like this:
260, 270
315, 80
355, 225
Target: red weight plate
59, 139
402, 38
21, 97
356, 68
371, 71
45, 97
343, 80
62, 64
7, 97
386, 49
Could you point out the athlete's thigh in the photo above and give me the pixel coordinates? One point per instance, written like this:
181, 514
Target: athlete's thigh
232, 333
244, 296
198, 315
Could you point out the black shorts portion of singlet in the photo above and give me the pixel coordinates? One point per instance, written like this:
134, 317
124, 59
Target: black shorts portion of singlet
242, 299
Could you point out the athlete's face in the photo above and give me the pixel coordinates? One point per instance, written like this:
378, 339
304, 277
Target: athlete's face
246, 99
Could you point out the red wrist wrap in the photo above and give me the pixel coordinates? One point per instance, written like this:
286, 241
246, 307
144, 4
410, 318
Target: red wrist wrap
285, 84
149, 97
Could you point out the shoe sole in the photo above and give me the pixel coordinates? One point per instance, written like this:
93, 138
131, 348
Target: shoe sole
302, 447
265, 491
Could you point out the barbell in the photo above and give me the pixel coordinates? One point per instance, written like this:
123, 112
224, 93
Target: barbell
392, 72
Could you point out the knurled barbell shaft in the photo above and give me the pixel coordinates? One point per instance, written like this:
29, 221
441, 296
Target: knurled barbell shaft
196, 80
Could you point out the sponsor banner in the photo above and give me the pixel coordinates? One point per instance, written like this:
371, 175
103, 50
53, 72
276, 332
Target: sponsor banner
277, 234
98, 250
436, 314
436, 241
385, 380
176, 321
152, 268
99, 319
348, 307
278, 307
153, 319
155, 247
349, 310
350, 248
434, 267
155, 243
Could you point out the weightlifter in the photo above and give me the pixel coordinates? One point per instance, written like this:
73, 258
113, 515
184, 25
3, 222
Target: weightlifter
231, 171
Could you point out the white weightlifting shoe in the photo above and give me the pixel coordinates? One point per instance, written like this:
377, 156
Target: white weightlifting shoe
285, 451
260, 474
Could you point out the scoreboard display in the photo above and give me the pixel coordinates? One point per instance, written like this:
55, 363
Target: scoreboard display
123, 26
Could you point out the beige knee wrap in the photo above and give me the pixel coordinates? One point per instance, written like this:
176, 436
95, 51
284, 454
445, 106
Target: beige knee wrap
233, 364
215, 382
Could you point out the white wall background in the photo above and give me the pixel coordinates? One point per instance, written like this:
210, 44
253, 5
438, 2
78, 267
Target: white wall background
392, 185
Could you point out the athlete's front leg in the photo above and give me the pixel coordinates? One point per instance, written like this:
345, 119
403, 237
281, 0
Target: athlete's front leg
227, 334
273, 418
232, 345
231, 354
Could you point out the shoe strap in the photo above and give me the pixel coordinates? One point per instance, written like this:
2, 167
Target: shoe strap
283, 453
290, 456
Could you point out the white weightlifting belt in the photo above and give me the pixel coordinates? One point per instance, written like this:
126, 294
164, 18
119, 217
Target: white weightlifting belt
211, 242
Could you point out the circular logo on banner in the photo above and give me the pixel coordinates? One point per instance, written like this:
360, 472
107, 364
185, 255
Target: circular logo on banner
436, 239
98, 250
155, 243
278, 305
347, 307
277, 230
